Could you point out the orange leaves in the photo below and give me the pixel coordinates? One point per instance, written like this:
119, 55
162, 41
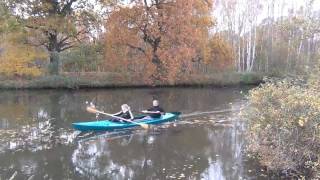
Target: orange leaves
161, 37
219, 53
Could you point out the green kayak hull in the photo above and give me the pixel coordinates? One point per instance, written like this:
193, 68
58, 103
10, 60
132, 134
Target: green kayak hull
107, 125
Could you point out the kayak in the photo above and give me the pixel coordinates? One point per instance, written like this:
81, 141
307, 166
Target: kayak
107, 125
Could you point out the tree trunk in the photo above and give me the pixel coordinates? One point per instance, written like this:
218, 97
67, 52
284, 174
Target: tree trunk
288, 54
243, 54
54, 63
239, 54
249, 51
308, 51
160, 70
254, 48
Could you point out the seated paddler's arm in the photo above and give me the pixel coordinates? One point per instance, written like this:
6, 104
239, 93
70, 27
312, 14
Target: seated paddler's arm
117, 114
131, 115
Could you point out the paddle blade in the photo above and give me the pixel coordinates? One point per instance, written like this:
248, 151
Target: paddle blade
91, 109
145, 126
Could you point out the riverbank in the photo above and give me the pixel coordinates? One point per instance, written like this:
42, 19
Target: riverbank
113, 80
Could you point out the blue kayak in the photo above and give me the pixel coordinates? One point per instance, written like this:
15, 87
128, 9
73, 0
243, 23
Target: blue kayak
107, 125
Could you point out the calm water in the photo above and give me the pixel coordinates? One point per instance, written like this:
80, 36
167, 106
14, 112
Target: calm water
38, 142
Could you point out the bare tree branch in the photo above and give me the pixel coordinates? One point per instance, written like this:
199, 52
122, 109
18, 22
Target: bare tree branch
138, 48
67, 47
67, 8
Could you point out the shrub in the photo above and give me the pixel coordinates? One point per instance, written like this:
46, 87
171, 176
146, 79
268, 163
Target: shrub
251, 78
284, 126
85, 58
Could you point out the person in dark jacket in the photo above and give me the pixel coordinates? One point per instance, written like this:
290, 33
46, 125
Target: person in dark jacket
155, 111
124, 113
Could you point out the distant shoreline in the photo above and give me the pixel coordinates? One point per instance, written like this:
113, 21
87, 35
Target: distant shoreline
98, 81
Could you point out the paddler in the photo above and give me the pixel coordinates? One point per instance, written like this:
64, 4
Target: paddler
155, 111
124, 113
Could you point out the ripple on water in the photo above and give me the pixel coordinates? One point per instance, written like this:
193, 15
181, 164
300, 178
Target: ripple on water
35, 137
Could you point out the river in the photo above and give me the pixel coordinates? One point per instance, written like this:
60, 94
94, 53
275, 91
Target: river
206, 142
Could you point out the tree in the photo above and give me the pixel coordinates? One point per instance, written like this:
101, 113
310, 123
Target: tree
57, 25
16, 57
158, 37
220, 53
19, 59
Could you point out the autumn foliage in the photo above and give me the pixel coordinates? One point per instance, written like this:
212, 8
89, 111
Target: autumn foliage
159, 39
18, 59
156, 41
218, 53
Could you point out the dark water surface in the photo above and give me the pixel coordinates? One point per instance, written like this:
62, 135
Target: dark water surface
38, 142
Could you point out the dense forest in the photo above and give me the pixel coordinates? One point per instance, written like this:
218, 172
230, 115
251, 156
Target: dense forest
157, 41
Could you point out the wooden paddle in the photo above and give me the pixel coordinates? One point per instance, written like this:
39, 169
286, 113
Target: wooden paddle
94, 110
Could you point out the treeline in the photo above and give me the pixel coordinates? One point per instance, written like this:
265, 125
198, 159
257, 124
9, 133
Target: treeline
155, 41
158, 40
276, 37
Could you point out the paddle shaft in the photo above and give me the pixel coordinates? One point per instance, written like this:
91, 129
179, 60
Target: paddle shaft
101, 112
151, 112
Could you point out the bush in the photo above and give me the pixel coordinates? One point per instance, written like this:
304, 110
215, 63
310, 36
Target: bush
284, 127
251, 78
85, 58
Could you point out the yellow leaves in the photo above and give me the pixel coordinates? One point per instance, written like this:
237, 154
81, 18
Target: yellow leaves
283, 106
286, 114
203, 21
301, 122
19, 58
202, 6
256, 127
218, 53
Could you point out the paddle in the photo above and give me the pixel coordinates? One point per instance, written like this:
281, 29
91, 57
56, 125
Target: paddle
151, 112
94, 110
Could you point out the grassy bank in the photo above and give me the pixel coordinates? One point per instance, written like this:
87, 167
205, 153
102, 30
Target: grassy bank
113, 80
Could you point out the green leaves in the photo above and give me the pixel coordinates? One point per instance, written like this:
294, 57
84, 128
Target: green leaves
8, 23
56, 25
86, 57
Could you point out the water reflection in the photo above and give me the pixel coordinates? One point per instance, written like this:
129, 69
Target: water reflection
37, 140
